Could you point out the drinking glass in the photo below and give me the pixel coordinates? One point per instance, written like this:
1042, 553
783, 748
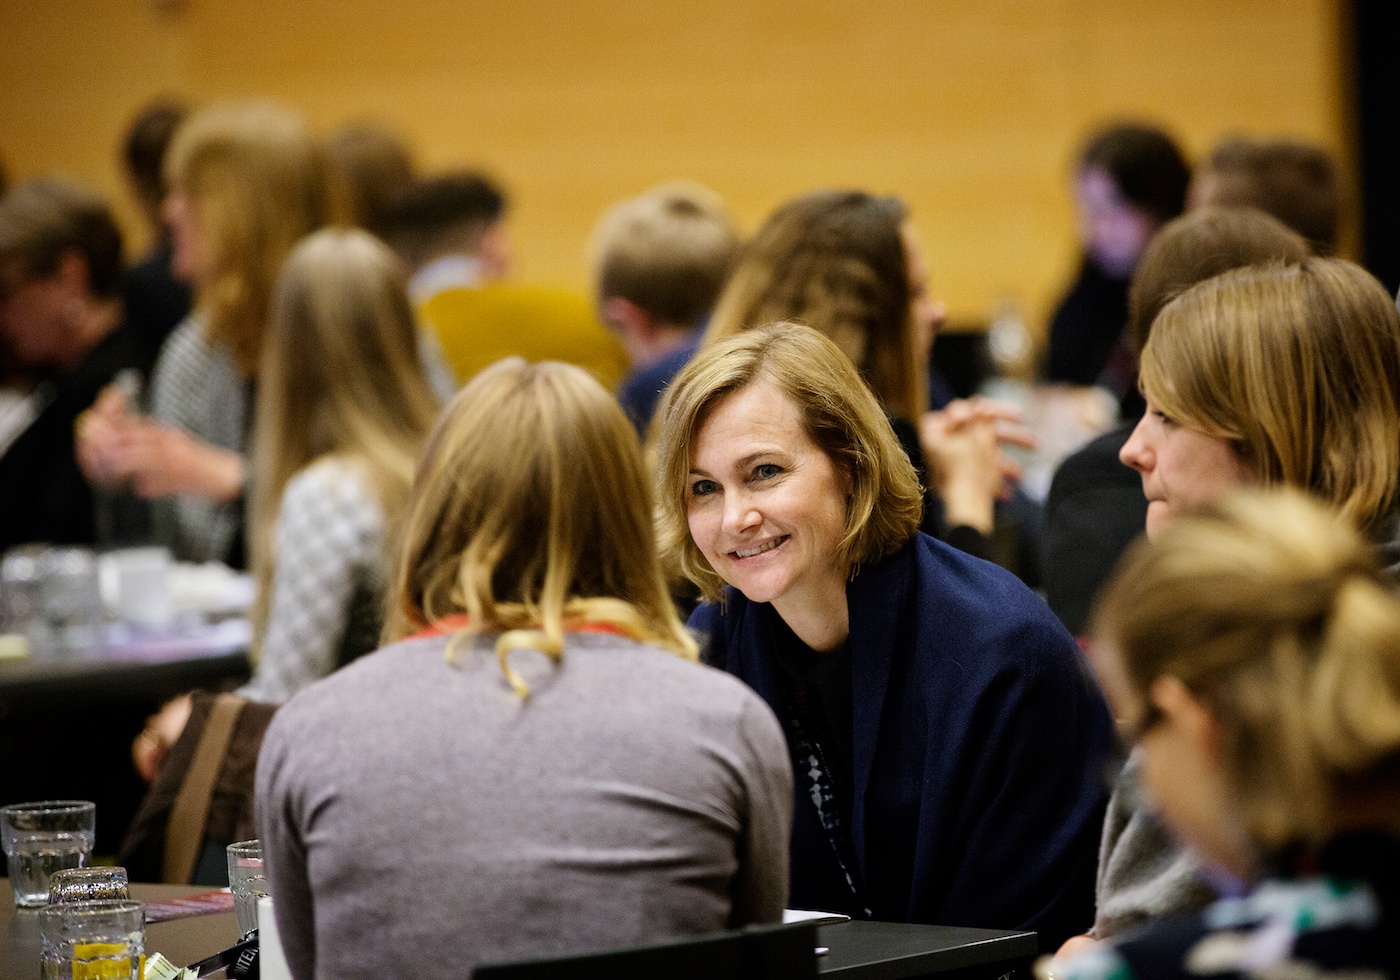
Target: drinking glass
21, 600
88, 885
41, 838
104, 939
143, 587
72, 597
247, 882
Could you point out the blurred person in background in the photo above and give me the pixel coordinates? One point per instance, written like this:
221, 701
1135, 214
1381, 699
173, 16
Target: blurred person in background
1295, 181
1096, 507
367, 167
534, 764
450, 232
1252, 656
246, 184
61, 318
659, 263
849, 265
343, 407
156, 300
1130, 179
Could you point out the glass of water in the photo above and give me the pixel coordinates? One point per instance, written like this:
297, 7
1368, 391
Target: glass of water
94, 939
41, 838
247, 882
88, 885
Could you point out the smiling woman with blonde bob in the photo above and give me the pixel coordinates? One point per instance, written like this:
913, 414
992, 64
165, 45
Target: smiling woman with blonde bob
536, 743
916, 684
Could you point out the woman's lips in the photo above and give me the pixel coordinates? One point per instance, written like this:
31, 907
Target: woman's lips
758, 549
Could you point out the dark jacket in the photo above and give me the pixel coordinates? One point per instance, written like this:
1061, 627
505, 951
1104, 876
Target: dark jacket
1094, 511
44, 496
978, 746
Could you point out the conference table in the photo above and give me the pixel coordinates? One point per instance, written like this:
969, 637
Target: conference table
857, 950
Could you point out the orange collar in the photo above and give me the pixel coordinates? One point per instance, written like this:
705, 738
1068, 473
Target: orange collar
460, 621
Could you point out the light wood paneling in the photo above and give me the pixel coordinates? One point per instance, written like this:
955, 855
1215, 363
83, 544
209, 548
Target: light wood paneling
971, 111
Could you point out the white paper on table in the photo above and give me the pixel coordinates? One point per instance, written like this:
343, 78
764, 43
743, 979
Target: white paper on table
806, 915
272, 962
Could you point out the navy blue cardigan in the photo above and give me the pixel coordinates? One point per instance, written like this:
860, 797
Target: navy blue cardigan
979, 747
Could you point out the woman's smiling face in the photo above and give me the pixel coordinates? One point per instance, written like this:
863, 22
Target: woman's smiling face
766, 506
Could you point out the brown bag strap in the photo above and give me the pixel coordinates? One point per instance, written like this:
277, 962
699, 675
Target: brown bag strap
184, 834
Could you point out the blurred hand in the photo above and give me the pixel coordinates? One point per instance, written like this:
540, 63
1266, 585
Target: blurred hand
159, 460
95, 433
1074, 946
964, 445
162, 731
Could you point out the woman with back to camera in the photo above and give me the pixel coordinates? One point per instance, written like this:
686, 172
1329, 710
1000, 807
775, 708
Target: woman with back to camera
1252, 654
945, 739
245, 186
342, 412
849, 265
1281, 374
535, 765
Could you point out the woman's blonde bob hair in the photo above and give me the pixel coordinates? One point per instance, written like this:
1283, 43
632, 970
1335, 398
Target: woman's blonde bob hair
841, 416
340, 377
1298, 364
1272, 610
253, 176
531, 513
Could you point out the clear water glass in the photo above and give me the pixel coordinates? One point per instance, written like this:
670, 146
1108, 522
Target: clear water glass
247, 882
40, 839
88, 885
105, 939
72, 599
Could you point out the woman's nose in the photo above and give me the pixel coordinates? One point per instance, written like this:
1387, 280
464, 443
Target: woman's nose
740, 514
1137, 452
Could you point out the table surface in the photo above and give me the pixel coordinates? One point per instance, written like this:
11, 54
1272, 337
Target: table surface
183, 941
874, 950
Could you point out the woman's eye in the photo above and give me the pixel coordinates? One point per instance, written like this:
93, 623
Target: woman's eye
702, 488
1163, 417
766, 471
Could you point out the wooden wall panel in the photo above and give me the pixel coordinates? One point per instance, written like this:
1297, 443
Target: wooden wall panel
971, 111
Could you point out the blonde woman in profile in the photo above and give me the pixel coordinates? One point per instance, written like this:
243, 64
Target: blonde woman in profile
1252, 654
535, 765
246, 185
1283, 374
343, 409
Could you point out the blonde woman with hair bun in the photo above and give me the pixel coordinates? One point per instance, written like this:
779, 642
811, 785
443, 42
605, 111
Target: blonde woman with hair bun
1252, 654
535, 764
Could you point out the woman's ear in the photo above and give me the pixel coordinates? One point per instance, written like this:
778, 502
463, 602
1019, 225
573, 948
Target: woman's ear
1187, 714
